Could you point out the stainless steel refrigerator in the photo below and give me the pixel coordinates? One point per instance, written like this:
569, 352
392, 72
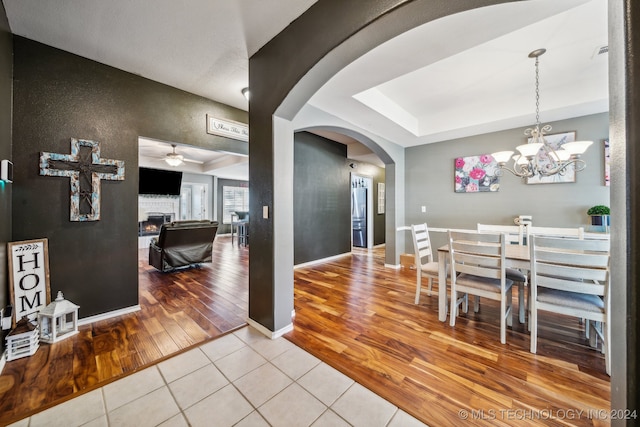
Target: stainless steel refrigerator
359, 216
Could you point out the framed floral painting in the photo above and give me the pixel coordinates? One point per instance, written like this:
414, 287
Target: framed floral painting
476, 174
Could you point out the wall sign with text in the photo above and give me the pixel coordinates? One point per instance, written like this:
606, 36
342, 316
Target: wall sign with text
228, 128
29, 277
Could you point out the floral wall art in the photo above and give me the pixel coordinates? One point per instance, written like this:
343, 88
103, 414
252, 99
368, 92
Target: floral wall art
476, 174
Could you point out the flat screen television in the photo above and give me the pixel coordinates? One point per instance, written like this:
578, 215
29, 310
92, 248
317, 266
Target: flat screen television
160, 182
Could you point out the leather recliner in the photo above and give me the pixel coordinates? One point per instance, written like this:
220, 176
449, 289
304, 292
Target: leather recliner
182, 243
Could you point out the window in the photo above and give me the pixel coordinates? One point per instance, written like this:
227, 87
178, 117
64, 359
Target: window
234, 199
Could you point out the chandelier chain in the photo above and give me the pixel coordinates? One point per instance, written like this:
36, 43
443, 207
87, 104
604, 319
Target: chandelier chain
541, 158
537, 95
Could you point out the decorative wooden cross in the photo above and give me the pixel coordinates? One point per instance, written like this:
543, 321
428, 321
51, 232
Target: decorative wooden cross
85, 169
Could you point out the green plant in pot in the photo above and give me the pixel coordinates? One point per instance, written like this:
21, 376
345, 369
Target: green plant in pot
599, 215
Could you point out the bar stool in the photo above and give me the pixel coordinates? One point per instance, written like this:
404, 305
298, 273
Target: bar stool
243, 233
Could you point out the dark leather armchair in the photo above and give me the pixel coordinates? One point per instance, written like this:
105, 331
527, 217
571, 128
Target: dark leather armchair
182, 243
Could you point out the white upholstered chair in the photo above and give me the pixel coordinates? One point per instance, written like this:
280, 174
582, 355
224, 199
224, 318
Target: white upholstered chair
478, 268
515, 236
425, 265
571, 277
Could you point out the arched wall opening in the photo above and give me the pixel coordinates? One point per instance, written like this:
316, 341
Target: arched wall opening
280, 89
391, 155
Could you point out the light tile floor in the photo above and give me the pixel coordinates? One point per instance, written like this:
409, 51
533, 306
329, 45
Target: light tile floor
242, 379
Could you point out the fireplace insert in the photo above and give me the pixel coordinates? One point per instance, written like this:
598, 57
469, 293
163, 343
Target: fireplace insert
151, 226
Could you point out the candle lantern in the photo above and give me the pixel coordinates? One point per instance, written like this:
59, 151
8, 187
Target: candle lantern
22, 341
58, 320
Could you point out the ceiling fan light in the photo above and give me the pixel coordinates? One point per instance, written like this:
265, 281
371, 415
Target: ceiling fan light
173, 160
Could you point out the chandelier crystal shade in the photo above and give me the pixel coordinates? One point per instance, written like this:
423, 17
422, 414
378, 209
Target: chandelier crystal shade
529, 160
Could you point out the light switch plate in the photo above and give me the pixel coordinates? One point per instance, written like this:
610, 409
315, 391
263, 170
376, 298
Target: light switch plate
424, 209
265, 212
6, 170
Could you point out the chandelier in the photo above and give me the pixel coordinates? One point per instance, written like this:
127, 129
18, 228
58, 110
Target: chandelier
538, 157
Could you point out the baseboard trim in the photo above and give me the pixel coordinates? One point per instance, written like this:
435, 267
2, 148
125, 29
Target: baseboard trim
108, 315
394, 266
267, 332
320, 261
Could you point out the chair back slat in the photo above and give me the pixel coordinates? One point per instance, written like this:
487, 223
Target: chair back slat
421, 244
577, 259
566, 232
514, 233
600, 245
563, 284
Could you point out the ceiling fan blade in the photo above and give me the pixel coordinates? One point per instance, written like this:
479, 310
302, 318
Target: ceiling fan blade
192, 161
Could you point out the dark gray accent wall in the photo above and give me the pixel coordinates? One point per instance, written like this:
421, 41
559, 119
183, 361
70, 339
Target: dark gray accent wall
58, 96
226, 228
321, 198
6, 71
430, 173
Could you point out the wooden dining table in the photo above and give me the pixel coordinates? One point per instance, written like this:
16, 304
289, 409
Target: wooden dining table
516, 256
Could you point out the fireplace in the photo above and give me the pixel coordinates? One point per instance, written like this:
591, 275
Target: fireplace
151, 226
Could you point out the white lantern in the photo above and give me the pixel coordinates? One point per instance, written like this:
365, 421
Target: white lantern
58, 320
22, 341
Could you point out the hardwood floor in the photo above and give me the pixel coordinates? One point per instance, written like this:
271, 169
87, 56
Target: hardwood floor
178, 311
352, 313
359, 317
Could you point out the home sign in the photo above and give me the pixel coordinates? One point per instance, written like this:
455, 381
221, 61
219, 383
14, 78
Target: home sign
29, 277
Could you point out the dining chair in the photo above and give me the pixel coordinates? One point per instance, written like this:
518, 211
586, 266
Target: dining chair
571, 277
514, 236
425, 265
478, 268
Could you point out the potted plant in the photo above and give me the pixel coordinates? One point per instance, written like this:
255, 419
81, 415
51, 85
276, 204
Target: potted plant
599, 215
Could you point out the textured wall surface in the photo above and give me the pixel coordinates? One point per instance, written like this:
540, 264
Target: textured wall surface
321, 198
58, 96
6, 69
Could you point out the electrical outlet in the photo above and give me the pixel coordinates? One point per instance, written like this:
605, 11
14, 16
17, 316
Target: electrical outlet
424, 209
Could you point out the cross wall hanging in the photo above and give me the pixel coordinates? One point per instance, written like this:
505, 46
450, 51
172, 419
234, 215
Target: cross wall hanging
85, 169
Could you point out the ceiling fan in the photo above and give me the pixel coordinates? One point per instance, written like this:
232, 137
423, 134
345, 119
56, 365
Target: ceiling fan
174, 159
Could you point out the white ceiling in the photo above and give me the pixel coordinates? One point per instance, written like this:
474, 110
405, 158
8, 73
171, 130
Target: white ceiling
457, 76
